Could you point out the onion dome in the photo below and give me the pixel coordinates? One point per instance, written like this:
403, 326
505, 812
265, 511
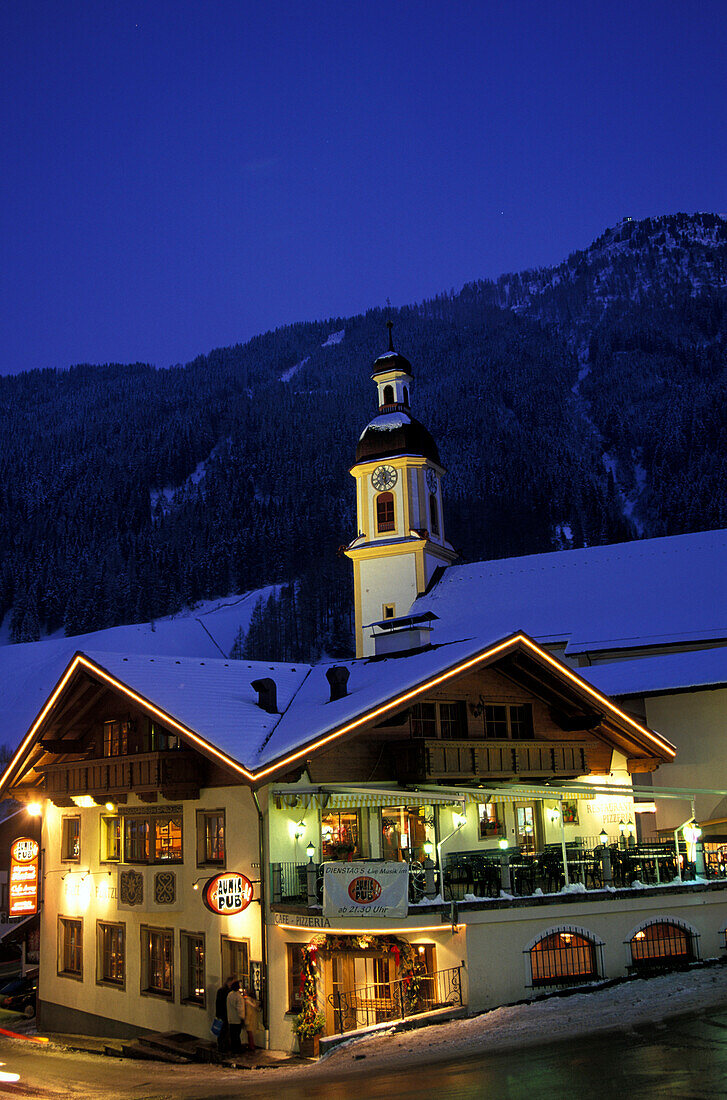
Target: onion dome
395, 433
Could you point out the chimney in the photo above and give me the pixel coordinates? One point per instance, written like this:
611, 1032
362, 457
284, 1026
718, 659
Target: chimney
407, 634
337, 676
266, 694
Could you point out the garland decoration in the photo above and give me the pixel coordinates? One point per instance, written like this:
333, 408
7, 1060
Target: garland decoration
405, 958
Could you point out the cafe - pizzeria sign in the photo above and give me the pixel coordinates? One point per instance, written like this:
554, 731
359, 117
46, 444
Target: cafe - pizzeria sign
366, 889
227, 894
23, 887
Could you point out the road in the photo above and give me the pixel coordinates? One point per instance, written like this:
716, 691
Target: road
685, 1058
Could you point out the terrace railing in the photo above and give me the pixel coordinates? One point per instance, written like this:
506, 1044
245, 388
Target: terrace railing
396, 1000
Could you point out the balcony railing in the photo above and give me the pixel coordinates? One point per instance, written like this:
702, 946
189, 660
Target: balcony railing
431, 759
397, 1000
289, 883
177, 771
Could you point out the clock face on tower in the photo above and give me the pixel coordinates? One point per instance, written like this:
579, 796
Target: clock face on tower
431, 481
384, 477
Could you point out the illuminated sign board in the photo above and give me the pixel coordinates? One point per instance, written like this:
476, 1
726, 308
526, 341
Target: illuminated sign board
23, 887
227, 894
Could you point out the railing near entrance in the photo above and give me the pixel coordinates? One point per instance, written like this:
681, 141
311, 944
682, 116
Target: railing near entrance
384, 1001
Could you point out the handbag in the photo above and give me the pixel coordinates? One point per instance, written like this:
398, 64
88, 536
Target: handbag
216, 1026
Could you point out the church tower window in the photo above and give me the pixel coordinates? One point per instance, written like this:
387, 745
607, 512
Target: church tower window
433, 514
385, 513
388, 395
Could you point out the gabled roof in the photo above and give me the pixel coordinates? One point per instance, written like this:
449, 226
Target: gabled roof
646, 593
213, 705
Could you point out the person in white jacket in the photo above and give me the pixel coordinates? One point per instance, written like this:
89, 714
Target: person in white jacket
235, 1016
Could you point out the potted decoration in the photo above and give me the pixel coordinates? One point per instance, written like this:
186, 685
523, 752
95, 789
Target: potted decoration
308, 1027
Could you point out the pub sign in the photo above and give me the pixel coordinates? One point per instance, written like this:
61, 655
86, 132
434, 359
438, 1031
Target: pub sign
227, 893
23, 886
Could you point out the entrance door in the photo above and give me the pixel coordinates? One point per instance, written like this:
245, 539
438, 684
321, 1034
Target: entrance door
340, 1007
358, 991
526, 827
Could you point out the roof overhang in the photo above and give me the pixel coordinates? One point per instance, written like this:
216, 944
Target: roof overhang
522, 656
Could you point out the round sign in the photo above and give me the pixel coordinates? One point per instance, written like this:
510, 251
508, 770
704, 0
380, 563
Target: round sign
227, 893
364, 890
24, 850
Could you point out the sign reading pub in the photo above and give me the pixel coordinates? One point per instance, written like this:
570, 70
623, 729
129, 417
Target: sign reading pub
23, 887
227, 893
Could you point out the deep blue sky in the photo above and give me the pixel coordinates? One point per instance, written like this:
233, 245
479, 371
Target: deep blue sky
178, 175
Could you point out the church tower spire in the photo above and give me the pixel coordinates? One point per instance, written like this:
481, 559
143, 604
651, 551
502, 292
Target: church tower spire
398, 474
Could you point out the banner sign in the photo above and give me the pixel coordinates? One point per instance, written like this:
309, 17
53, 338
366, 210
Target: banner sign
23, 888
227, 893
368, 889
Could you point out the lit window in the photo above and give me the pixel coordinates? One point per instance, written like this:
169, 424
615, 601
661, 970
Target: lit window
115, 738
661, 943
71, 839
110, 839
111, 953
295, 968
193, 968
157, 969
210, 837
340, 835
70, 947
168, 840
136, 840
563, 958
489, 823
156, 839
385, 512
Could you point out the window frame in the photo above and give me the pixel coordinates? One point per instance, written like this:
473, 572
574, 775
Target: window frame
65, 821
509, 721
383, 503
132, 823
433, 724
295, 1004
225, 957
103, 926
566, 981
64, 926
202, 859
186, 939
649, 963
103, 856
147, 931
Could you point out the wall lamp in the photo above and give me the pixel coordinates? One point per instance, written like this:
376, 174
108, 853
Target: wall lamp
35, 809
195, 884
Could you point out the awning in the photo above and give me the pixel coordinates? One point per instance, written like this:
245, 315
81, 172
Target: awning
328, 798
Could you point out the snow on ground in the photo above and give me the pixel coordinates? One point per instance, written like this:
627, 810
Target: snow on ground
620, 1007
334, 338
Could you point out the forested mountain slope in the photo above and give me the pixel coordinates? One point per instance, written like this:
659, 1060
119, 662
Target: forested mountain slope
578, 404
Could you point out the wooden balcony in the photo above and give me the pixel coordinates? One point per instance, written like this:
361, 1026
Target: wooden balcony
432, 760
175, 775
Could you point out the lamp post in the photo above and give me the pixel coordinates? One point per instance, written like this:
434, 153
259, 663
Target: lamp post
430, 888
606, 871
311, 873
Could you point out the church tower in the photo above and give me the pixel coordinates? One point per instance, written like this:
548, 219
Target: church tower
401, 539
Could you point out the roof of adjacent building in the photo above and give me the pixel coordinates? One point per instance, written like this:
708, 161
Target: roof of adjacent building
652, 592
662, 674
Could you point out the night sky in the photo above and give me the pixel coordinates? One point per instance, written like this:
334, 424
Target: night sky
178, 176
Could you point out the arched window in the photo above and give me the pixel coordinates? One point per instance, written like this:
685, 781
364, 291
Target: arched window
563, 958
433, 514
663, 943
388, 395
385, 512
406, 396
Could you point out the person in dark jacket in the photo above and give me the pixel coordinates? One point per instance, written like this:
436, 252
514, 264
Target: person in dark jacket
223, 1039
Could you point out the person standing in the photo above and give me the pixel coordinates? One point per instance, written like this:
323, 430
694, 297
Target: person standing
223, 1039
251, 1007
235, 1016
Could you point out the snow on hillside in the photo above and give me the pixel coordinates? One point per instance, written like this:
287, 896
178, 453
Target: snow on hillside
288, 374
334, 338
166, 497
29, 671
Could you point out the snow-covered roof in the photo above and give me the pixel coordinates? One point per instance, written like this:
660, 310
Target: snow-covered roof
700, 668
651, 592
213, 703
387, 422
